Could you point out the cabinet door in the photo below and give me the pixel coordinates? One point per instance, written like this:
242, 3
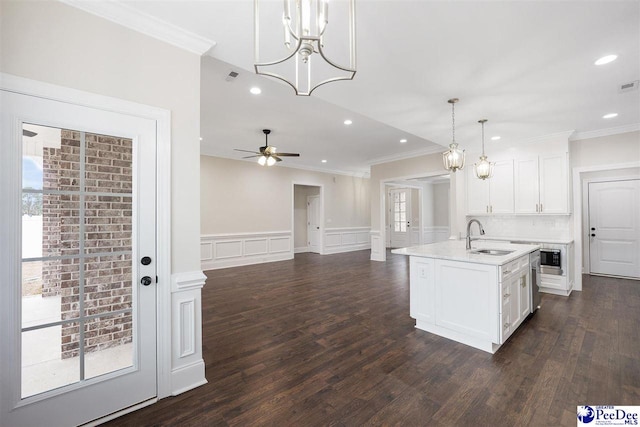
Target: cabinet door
525, 294
501, 188
526, 185
554, 184
477, 194
421, 289
515, 313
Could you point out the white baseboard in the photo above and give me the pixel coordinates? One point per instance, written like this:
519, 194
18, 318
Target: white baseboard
234, 250
187, 377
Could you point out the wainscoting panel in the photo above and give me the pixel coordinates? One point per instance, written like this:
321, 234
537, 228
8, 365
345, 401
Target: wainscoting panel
232, 250
187, 366
377, 246
346, 239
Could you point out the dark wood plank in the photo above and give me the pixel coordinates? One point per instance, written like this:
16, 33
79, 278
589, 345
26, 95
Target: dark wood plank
327, 340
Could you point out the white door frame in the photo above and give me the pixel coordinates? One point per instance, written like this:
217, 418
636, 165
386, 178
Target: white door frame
321, 219
578, 203
163, 194
586, 214
381, 253
407, 188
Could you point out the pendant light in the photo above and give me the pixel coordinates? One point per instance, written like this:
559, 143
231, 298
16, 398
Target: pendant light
304, 23
484, 168
454, 158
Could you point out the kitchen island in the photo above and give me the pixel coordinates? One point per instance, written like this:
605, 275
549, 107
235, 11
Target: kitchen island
476, 298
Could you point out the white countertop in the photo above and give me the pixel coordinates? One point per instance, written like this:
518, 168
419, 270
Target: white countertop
455, 250
528, 239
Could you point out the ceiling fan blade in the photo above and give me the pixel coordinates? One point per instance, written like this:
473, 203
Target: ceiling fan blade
278, 159
289, 154
251, 157
246, 151
28, 133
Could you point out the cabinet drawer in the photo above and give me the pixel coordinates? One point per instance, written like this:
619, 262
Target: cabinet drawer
508, 269
554, 282
505, 327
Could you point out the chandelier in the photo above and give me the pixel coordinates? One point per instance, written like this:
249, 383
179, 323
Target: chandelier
453, 158
484, 168
299, 58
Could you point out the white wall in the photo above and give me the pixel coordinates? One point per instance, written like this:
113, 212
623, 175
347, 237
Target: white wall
441, 204
55, 43
243, 197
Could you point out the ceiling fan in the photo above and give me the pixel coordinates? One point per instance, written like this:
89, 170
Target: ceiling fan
268, 155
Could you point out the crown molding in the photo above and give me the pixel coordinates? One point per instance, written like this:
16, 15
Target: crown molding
357, 174
634, 127
407, 155
129, 17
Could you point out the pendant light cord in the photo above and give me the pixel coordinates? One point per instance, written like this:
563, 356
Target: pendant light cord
483, 139
453, 120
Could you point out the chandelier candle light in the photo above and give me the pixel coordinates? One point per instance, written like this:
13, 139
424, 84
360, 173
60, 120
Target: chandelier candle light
304, 23
454, 158
484, 168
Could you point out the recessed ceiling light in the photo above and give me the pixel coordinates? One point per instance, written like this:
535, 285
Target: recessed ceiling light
606, 59
200, 138
348, 122
495, 138
323, 161
255, 90
610, 116
402, 141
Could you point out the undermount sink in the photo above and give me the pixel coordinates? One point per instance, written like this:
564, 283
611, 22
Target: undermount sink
497, 252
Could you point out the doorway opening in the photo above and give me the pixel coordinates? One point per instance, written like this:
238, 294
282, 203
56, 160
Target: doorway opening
417, 211
307, 213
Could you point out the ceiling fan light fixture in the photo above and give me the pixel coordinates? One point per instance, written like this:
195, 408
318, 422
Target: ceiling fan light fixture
271, 161
453, 159
262, 160
304, 23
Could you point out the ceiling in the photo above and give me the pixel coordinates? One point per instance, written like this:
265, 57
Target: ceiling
527, 67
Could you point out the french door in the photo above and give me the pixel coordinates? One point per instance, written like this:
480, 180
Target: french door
400, 221
614, 228
78, 250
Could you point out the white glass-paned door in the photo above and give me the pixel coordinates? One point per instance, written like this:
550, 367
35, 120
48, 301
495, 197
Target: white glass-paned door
80, 326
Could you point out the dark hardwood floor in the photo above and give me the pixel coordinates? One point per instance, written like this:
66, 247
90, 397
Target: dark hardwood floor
327, 340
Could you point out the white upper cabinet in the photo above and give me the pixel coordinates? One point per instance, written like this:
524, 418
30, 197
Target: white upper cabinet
541, 184
492, 195
554, 189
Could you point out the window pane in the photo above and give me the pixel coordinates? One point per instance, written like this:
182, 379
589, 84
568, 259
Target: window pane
403, 197
108, 344
403, 227
108, 285
49, 289
45, 364
108, 164
60, 227
108, 224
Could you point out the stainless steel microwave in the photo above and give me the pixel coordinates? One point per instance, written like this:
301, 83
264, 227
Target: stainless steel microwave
551, 261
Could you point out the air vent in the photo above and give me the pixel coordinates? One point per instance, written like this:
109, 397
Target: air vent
628, 87
232, 75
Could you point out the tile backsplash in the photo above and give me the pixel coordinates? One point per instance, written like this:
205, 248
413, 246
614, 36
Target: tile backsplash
552, 226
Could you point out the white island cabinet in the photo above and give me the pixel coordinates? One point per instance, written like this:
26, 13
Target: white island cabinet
473, 298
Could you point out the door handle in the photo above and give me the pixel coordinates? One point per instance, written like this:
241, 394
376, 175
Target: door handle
317, 228
145, 260
146, 281
593, 235
593, 229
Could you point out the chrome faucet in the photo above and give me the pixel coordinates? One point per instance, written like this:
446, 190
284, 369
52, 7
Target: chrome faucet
469, 231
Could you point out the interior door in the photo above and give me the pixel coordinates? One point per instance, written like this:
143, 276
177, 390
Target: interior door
400, 221
614, 228
313, 223
78, 297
